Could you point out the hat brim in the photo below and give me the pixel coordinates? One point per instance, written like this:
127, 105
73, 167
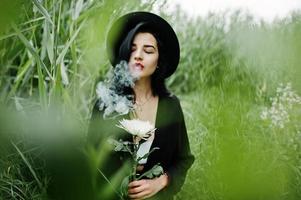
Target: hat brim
164, 31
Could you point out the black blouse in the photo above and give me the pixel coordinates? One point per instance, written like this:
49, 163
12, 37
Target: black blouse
171, 137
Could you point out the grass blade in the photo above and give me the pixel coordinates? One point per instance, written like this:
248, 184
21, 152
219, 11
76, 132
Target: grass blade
48, 42
28, 165
64, 51
42, 10
77, 10
19, 78
40, 64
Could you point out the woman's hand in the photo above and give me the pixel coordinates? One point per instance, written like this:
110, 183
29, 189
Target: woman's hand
146, 188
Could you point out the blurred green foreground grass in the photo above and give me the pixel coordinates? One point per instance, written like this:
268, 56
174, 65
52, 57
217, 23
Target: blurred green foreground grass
238, 81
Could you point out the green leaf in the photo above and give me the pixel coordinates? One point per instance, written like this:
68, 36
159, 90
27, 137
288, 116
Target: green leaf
120, 145
109, 182
64, 75
42, 10
28, 165
21, 72
40, 64
49, 43
65, 50
155, 171
78, 8
23, 69
124, 186
146, 155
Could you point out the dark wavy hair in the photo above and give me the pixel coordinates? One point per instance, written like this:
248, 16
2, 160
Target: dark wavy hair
157, 78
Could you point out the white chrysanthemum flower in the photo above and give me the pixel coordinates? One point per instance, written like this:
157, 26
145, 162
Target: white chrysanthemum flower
142, 129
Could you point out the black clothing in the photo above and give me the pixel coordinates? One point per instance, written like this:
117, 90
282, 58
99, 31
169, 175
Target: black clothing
174, 154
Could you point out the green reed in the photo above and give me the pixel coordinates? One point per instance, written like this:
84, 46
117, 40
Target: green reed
52, 54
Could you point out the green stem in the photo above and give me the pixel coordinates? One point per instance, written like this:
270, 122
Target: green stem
134, 168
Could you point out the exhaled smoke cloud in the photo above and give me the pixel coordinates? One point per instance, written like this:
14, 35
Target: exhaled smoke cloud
110, 92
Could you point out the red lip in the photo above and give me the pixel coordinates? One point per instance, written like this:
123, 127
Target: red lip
139, 64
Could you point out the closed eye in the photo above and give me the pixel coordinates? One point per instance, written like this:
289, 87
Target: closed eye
133, 48
149, 51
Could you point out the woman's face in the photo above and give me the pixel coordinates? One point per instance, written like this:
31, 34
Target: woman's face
144, 55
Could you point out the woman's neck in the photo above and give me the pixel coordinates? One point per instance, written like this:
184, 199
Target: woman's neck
143, 89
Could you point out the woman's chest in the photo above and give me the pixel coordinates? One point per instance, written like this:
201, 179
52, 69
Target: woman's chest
148, 111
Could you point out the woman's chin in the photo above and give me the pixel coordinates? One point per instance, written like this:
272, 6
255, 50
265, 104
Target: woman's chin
136, 73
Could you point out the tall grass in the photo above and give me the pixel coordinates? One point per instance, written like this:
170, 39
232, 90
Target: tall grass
43, 71
52, 54
231, 72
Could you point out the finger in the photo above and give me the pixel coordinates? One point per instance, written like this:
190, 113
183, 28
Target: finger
136, 190
140, 195
136, 183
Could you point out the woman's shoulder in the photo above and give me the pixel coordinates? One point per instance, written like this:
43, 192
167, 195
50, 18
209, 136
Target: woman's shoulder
171, 99
171, 104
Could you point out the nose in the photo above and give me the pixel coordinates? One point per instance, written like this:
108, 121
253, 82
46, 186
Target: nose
138, 54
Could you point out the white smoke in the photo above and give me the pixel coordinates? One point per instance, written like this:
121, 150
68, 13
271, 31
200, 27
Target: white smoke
110, 92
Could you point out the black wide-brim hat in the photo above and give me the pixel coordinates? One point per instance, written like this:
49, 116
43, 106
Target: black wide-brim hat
122, 26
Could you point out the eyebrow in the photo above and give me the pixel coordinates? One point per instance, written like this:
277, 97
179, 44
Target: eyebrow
146, 46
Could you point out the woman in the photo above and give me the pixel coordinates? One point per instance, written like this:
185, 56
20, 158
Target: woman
150, 47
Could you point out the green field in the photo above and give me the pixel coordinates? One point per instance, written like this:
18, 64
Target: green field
238, 81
